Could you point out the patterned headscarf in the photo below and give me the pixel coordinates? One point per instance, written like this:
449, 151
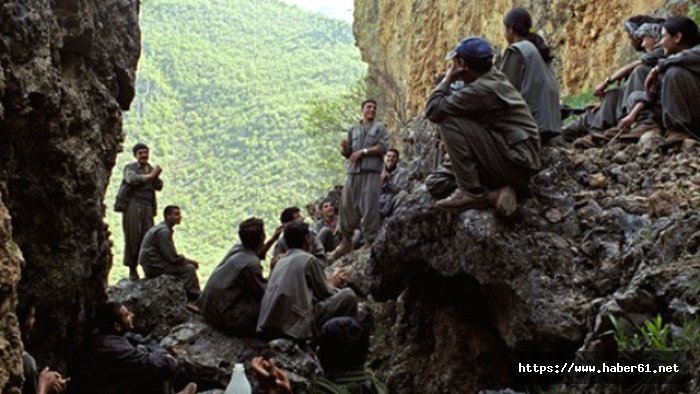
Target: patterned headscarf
652, 30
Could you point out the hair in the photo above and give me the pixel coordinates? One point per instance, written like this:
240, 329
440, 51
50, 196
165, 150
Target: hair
138, 147
344, 343
250, 232
396, 151
170, 209
295, 234
520, 21
106, 315
326, 200
373, 101
24, 308
481, 66
686, 26
288, 213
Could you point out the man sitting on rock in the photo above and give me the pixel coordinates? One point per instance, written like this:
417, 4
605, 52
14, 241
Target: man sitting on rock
490, 134
123, 362
299, 298
158, 255
326, 228
288, 216
394, 180
342, 351
231, 298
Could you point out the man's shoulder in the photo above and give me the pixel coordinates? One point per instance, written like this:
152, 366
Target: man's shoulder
134, 165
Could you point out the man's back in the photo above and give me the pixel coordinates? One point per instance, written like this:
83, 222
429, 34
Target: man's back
231, 298
287, 307
151, 254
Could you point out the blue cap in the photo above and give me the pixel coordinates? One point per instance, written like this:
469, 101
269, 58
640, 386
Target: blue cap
472, 48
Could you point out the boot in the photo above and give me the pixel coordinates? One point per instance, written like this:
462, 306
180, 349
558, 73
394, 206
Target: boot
461, 200
133, 273
344, 248
674, 138
191, 388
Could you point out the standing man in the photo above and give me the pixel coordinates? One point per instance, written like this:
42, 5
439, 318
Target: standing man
364, 147
136, 200
488, 129
394, 180
158, 255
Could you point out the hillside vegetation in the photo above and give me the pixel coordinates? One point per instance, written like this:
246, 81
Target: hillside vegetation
225, 89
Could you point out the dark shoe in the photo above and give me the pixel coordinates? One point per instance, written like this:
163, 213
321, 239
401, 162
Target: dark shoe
611, 132
505, 201
133, 273
461, 200
344, 248
636, 133
674, 138
191, 388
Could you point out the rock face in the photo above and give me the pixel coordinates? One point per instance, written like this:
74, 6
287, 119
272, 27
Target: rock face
66, 74
405, 41
10, 340
465, 293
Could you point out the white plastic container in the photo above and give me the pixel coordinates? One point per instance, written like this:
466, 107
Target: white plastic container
239, 383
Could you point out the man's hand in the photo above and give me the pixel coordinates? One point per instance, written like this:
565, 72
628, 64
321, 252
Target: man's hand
650, 81
272, 379
338, 278
355, 156
627, 121
51, 382
192, 263
278, 232
274, 261
600, 89
384, 177
455, 69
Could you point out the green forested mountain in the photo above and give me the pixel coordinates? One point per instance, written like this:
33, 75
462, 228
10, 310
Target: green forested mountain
224, 88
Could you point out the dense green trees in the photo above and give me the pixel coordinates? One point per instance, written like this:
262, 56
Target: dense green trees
226, 91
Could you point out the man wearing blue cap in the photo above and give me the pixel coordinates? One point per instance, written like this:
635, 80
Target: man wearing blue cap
490, 134
136, 200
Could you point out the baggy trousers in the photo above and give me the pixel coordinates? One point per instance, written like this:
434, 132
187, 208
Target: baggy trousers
360, 203
479, 160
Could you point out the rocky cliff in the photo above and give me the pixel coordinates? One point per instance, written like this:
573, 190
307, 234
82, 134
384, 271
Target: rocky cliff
606, 232
66, 74
405, 41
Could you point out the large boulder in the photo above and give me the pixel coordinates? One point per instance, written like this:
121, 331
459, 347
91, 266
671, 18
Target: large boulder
158, 304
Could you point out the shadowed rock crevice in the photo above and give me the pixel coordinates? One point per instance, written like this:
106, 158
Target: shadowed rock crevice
68, 67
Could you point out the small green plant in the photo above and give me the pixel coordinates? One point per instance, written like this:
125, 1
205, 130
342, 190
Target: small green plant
655, 335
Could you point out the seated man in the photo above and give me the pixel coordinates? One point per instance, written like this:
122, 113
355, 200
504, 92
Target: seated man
123, 362
342, 352
394, 180
158, 255
34, 382
326, 228
299, 298
489, 132
231, 298
288, 216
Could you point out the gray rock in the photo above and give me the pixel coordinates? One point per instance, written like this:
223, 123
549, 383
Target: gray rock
158, 304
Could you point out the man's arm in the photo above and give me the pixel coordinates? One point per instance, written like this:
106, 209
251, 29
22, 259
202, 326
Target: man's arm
316, 279
128, 358
398, 181
167, 250
133, 178
253, 282
513, 66
469, 100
